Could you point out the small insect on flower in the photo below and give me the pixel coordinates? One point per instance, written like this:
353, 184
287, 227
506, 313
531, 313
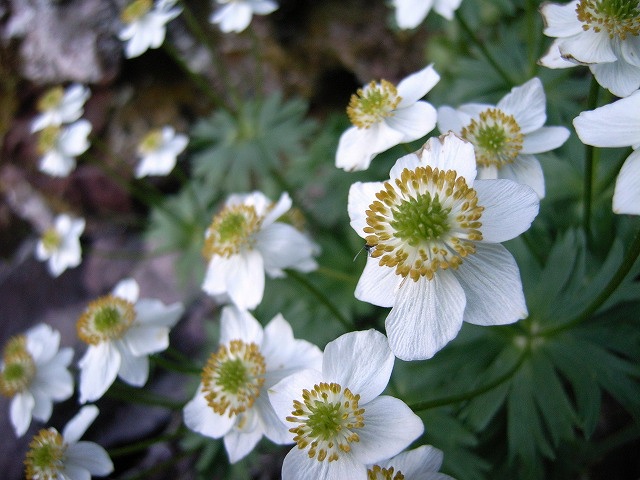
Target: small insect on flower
367, 247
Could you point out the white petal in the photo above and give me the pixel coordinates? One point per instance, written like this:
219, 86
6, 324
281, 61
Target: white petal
73, 139
236, 324
390, 426
626, 196
273, 212
419, 463
619, 77
74, 472
492, 285
414, 121
43, 406
630, 50
509, 208
446, 8
411, 13
297, 465
589, 47
263, 7
410, 162
554, 59
378, 285
200, 417
56, 164
561, 20
233, 17
526, 169
359, 361
239, 444
544, 139
274, 427
415, 86
133, 370
127, 289
42, 342
449, 119
614, 125
154, 312
98, 369
361, 195
426, 316
357, 146
90, 456
527, 103
79, 424
283, 246
450, 152
20, 412
240, 276
283, 393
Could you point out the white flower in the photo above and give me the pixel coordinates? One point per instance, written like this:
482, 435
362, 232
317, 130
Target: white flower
146, 24
421, 463
33, 373
235, 15
52, 455
603, 34
433, 232
244, 241
121, 331
411, 13
58, 106
60, 244
384, 116
232, 400
336, 416
59, 147
159, 150
617, 125
506, 136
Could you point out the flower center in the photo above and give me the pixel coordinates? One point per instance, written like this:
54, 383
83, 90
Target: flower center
378, 473
232, 378
151, 142
51, 240
231, 230
618, 18
328, 418
45, 458
135, 10
373, 103
51, 99
19, 367
48, 138
426, 220
107, 318
496, 137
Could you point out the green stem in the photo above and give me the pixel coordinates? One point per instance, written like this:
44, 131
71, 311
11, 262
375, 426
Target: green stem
589, 160
321, 297
624, 269
144, 444
461, 397
123, 392
487, 54
175, 366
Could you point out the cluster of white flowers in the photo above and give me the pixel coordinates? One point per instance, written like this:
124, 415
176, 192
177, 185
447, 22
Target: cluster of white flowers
145, 24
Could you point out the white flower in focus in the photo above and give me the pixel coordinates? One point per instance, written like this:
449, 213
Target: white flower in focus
411, 13
55, 456
58, 106
121, 331
384, 116
336, 416
33, 373
145, 24
434, 257
602, 34
59, 147
421, 463
60, 244
506, 136
159, 150
232, 400
244, 241
235, 15
617, 125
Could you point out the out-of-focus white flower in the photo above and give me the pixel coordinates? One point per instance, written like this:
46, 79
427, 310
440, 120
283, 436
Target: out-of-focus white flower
145, 24
122, 331
617, 125
435, 257
421, 463
159, 150
60, 244
384, 116
337, 417
411, 13
58, 106
603, 34
235, 15
232, 400
244, 241
55, 456
33, 373
506, 136
59, 147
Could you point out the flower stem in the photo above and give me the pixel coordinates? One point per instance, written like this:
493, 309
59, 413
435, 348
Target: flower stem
625, 267
128, 394
175, 366
483, 49
321, 297
589, 160
144, 444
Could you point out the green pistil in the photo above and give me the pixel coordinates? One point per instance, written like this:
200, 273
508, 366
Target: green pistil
48, 139
151, 142
17, 374
420, 219
106, 319
51, 240
45, 456
233, 376
232, 228
370, 105
135, 10
51, 99
325, 421
491, 139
